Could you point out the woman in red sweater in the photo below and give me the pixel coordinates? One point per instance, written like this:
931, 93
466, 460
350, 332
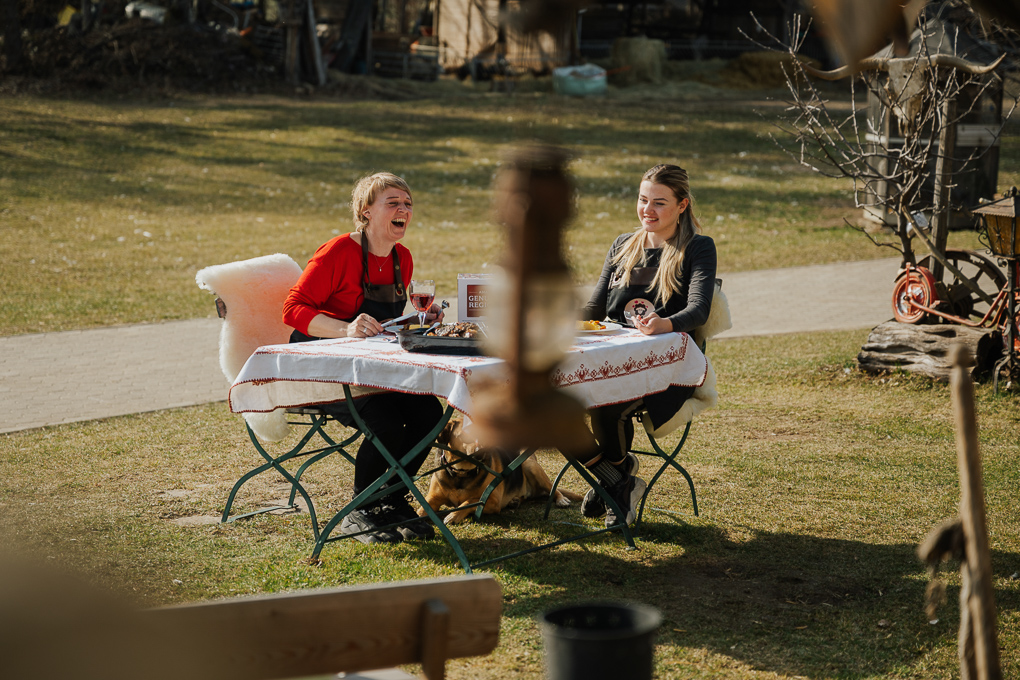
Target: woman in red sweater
351, 285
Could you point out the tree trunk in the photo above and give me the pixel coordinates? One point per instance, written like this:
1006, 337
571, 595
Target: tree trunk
925, 349
12, 34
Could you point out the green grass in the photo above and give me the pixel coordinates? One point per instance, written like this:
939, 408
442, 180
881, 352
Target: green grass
815, 484
108, 208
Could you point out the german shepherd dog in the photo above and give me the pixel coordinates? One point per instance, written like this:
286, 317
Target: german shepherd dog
460, 482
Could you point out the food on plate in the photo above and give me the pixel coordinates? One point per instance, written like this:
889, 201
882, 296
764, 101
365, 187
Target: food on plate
591, 326
461, 329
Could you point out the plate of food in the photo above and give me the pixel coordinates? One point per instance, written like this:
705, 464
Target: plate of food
458, 338
596, 327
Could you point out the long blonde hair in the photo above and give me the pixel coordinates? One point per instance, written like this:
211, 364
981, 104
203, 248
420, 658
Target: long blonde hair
667, 280
367, 190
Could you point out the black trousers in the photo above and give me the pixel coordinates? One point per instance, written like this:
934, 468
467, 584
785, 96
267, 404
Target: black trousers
613, 428
399, 421
613, 425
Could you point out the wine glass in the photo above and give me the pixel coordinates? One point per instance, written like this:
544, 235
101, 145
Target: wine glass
422, 292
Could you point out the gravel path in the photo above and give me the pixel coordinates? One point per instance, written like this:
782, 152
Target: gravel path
53, 378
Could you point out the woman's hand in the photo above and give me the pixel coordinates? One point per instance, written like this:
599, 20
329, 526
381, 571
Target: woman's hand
434, 314
363, 326
653, 324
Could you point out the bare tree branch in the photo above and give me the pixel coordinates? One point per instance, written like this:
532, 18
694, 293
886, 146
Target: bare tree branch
889, 154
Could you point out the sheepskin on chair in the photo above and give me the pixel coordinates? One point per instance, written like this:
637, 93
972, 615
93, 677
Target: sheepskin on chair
254, 292
705, 396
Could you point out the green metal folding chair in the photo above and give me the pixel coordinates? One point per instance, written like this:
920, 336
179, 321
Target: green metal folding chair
704, 397
250, 296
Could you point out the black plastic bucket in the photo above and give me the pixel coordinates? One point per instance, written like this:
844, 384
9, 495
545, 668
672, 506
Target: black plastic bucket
596, 640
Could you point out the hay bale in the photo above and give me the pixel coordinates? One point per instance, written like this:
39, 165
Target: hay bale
639, 60
760, 69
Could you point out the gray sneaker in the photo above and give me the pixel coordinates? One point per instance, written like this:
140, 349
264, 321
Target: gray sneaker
412, 527
592, 504
627, 495
368, 520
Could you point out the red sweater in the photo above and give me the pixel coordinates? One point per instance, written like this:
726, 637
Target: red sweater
331, 283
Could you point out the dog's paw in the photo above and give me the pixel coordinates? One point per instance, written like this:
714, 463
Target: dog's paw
452, 519
561, 500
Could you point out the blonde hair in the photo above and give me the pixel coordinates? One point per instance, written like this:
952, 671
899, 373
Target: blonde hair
367, 190
667, 280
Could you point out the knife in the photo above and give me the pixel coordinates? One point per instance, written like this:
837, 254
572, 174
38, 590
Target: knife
408, 317
400, 319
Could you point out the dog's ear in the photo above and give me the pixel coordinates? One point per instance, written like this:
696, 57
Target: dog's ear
450, 432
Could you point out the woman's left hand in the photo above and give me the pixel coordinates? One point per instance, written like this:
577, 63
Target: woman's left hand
653, 324
434, 314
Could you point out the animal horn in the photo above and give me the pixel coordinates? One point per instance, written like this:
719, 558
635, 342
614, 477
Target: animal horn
962, 64
867, 64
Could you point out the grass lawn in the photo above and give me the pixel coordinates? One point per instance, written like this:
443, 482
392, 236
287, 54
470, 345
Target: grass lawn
815, 484
109, 207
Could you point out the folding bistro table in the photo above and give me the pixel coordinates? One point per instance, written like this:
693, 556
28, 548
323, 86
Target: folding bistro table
600, 369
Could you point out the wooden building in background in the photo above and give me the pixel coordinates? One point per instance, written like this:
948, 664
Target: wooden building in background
470, 34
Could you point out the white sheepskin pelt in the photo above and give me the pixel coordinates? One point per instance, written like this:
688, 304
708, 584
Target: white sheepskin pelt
719, 319
705, 396
254, 292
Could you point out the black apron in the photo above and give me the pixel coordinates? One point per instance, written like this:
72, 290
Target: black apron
636, 298
382, 301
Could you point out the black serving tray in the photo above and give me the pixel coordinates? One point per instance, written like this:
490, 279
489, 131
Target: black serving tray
416, 341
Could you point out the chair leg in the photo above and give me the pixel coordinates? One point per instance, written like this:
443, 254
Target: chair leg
552, 491
669, 461
331, 447
262, 468
315, 426
499, 478
396, 469
607, 499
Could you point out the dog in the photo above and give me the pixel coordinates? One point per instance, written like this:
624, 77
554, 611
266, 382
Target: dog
459, 481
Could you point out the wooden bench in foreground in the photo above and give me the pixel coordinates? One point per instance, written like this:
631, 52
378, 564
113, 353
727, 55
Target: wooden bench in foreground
61, 633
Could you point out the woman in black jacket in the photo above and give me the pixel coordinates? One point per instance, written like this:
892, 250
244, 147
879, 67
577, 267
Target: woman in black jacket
659, 279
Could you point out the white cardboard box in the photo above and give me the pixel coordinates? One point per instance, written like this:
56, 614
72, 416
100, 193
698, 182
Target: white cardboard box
472, 290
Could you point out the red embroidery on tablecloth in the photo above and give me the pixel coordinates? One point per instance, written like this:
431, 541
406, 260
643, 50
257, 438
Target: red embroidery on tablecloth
629, 366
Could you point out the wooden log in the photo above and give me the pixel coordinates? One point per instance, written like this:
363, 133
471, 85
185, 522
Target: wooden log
925, 349
977, 570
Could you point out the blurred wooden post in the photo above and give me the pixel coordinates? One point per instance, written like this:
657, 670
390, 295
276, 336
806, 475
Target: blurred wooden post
533, 202
978, 648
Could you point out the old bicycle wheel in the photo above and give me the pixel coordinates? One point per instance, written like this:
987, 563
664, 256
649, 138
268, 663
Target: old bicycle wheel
912, 288
960, 300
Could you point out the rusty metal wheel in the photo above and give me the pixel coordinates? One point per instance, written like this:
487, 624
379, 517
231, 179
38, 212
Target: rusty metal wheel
959, 300
914, 287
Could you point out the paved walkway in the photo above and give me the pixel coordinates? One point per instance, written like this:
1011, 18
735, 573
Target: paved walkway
53, 378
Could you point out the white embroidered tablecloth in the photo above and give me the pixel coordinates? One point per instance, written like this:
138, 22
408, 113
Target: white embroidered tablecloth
598, 370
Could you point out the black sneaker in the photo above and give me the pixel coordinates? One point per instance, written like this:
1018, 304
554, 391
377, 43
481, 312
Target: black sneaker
399, 509
368, 519
592, 504
627, 495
